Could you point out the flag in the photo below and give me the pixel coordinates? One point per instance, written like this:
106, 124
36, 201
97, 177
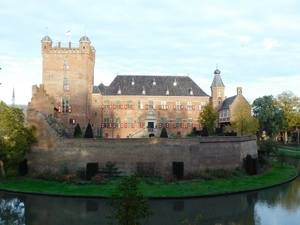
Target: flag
68, 32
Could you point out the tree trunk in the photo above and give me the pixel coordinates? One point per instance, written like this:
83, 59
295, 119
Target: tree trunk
297, 138
2, 168
285, 137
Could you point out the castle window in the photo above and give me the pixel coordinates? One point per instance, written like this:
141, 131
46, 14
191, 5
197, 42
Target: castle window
190, 122
139, 104
132, 81
129, 104
167, 91
139, 120
163, 105
191, 91
153, 82
65, 66
65, 105
106, 122
129, 122
118, 122
175, 82
163, 122
189, 105
143, 90
118, 104
202, 106
178, 105
150, 104
65, 84
106, 104
178, 122
119, 91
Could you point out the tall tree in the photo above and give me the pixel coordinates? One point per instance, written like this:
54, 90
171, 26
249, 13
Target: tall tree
130, 206
290, 104
77, 131
243, 121
207, 118
270, 116
15, 138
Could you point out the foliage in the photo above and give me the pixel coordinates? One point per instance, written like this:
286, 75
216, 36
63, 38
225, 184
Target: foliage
204, 132
275, 175
111, 169
242, 121
63, 169
163, 133
281, 157
207, 118
15, 138
290, 104
97, 179
193, 132
80, 173
269, 146
89, 132
196, 221
270, 117
77, 131
249, 165
130, 207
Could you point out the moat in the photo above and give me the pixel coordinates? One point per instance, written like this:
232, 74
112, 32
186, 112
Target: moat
278, 205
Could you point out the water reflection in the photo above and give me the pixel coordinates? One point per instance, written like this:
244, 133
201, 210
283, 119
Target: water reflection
279, 205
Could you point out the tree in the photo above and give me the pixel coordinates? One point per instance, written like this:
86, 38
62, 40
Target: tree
269, 146
242, 120
270, 116
89, 132
207, 118
163, 133
129, 205
290, 104
77, 131
15, 138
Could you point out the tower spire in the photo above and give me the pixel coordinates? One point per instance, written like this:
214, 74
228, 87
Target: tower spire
13, 97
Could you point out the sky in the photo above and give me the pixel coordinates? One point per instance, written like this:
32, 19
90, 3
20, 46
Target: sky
255, 44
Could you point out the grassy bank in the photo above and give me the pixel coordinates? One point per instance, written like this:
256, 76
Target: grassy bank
275, 176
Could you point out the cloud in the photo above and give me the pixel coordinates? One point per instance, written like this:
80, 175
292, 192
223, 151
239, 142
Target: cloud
270, 43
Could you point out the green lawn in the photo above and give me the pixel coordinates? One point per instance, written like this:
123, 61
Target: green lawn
275, 176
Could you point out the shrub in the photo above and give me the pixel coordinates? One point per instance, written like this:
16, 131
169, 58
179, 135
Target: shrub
63, 169
269, 146
89, 132
111, 170
163, 133
204, 132
97, 179
171, 179
281, 157
249, 165
77, 131
80, 173
129, 205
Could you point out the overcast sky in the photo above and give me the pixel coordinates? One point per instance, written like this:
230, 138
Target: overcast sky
255, 43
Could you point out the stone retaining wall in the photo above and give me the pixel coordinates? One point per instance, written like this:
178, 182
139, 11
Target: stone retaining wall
131, 154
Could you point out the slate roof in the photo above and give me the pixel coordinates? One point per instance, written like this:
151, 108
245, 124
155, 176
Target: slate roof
96, 89
217, 81
163, 83
227, 102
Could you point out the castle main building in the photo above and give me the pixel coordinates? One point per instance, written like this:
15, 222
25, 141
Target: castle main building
131, 106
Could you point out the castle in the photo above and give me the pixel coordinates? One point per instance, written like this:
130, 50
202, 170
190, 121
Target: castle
131, 106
